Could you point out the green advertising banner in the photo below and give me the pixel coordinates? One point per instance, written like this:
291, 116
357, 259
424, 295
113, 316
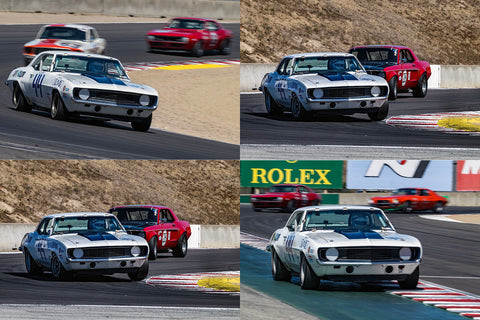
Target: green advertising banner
323, 174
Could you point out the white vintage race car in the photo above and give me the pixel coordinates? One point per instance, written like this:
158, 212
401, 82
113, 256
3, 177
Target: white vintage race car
67, 37
343, 243
324, 82
66, 243
82, 84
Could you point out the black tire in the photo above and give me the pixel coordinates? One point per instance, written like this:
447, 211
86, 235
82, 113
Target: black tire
140, 274
290, 207
407, 207
31, 265
411, 281
197, 49
392, 85
438, 207
379, 114
182, 247
256, 209
19, 101
58, 271
143, 124
225, 47
152, 245
420, 91
57, 108
308, 279
271, 105
315, 202
298, 111
279, 272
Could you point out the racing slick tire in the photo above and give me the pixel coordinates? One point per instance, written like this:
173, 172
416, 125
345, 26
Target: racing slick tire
139, 274
298, 111
142, 125
392, 85
420, 91
257, 209
379, 114
182, 247
19, 101
197, 50
57, 108
271, 105
32, 267
59, 273
225, 47
308, 279
290, 207
152, 246
407, 207
279, 272
437, 207
411, 281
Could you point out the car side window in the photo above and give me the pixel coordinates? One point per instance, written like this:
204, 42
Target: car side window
295, 218
423, 192
408, 56
167, 216
303, 190
37, 64
211, 26
285, 66
47, 62
45, 226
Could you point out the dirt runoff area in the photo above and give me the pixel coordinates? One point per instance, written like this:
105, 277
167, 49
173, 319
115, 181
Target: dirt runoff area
467, 218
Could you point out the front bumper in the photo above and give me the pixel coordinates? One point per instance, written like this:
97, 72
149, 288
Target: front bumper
102, 265
167, 45
390, 206
108, 110
269, 204
365, 104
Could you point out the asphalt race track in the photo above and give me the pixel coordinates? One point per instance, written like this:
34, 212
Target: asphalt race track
450, 249
258, 127
36, 136
17, 287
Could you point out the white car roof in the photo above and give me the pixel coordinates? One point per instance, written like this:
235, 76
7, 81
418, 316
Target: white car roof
78, 214
336, 207
74, 53
322, 54
72, 25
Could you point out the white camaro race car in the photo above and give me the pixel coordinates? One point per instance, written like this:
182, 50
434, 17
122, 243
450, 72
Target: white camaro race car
67, 37
343, 243
66, 243
82, 84
318, 82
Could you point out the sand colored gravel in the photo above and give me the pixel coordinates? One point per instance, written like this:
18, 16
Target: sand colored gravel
468, 218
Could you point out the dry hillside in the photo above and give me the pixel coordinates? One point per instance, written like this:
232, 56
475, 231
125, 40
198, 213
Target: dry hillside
441, 32
202, 192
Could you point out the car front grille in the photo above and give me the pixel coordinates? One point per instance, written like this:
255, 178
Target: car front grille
115, 97
108, 252
267, 199
369, 254
349, 92
168, 38
383, 201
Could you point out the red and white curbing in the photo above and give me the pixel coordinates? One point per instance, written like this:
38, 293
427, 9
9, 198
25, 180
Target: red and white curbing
152, 65
429, 121
429, 293
189, 281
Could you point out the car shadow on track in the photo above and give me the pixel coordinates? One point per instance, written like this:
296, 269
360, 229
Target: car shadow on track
206, 54
319, 117
326, 285
77, 278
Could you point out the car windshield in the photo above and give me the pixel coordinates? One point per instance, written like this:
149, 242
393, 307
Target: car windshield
86, 224
282, 189
405, 192
325, 65
346, 219
64, 33
89, 66
186, 24
136, 215
376, 55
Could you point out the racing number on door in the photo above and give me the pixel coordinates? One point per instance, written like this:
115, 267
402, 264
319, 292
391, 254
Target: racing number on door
164, 236
37, 84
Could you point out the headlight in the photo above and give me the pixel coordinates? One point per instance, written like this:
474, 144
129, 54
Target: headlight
370, 201
144, 100
331, 254
135, 251
375, 91
253, 199
78, 253
151, 37
405, 253
84, 94
317, 93
279, 198
395, 200
184, 39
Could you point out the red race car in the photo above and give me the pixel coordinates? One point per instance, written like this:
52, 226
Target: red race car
195, 35
410, 199
398, 65
287, 197
158, 225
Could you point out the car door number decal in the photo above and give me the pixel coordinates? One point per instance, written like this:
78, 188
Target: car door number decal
404, 77
166, 235
37, 84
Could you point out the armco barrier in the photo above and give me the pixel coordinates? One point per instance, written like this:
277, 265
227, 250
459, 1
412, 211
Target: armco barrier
448, 76
216, 9
203, 236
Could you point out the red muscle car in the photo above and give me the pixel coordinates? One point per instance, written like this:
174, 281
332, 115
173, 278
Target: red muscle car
195, 35
287, 197
410, 199
158, 225
398, 65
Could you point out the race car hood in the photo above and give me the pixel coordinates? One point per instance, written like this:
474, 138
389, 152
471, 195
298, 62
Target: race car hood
136, 226
74, 240
342, 79
355, 237
376, 67
174, 32
87, 80
55, 43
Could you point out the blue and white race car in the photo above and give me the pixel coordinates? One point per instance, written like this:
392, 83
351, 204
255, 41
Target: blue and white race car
343, 243
93, 242
76, 83
324, 82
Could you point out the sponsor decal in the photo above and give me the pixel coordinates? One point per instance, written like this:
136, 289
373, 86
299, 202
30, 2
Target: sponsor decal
104, 80
98, 236
468, 175
338, 76
360, 234
404, 168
